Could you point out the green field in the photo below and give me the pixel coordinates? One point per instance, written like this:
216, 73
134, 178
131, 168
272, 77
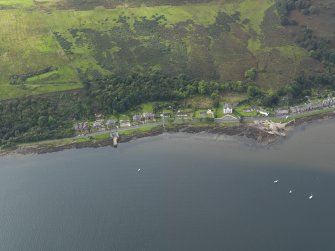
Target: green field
216, 40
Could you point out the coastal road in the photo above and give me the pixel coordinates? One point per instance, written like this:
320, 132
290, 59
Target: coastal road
179, 121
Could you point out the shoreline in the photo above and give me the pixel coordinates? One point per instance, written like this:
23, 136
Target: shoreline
242, 130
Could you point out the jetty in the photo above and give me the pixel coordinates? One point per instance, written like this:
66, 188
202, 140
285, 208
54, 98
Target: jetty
115, 136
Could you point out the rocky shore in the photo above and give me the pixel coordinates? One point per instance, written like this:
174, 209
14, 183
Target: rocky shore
240, 130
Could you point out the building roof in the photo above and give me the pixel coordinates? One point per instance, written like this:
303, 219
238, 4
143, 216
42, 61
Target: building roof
228, 106
110, 121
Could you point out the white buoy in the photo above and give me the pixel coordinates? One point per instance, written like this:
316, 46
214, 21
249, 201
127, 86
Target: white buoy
290, 192
275, 181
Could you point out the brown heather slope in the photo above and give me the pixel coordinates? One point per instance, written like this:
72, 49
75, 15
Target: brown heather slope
211, 40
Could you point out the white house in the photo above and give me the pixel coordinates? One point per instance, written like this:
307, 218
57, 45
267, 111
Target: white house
227, 108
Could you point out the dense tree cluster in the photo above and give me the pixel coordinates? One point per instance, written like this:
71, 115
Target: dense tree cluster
251, 74
118, 93
21, 78
319, 48
223, 23
303, 85
64, 43
285, 6
294, 93
37, 118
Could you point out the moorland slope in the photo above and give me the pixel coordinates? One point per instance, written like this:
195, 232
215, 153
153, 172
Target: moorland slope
54, 45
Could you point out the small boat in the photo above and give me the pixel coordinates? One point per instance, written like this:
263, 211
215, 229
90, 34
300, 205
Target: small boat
290, 192
310, 197
275, 181
138, 169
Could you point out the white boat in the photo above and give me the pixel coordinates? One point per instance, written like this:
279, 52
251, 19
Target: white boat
310, 197
138, 169
275, 181
290, 191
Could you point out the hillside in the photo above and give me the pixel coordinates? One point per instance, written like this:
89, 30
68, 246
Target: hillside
54, 45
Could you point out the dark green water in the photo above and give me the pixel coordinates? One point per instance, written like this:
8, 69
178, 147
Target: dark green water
194, 192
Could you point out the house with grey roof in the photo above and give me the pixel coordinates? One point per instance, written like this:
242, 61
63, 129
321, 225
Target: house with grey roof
282, 111
110, 123
137, 118
148, 116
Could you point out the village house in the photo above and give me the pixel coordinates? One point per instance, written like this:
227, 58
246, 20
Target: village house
110, 123
329, 102
227, 108
282, 111
98, 125
299, 108
138, 118
125, 123
148, 116
182, 114
81, 127
165, 115
316, 105
143, 117
209, 113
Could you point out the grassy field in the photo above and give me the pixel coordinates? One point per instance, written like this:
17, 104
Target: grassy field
17, 3
240, 110
210, 40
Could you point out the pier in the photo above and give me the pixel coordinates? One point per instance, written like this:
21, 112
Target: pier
115, 137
